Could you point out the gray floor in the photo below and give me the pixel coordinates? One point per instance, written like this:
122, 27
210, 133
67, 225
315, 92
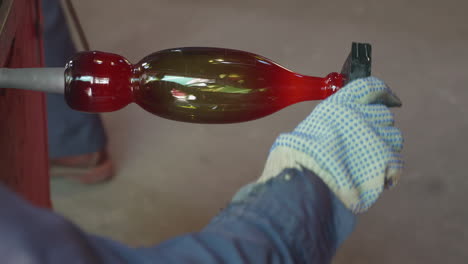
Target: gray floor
173, 177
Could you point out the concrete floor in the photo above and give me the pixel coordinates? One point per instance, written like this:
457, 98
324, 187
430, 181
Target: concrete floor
173, 177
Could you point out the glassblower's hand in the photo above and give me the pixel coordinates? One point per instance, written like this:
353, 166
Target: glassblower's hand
349, 141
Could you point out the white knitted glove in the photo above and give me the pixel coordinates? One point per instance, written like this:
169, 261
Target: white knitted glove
349, 141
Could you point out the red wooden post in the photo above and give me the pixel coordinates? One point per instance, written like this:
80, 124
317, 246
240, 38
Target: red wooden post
23, 137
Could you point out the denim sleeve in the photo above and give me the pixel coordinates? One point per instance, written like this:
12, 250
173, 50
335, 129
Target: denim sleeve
292, 218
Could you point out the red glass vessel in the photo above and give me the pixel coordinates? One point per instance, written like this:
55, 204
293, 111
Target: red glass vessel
193, 84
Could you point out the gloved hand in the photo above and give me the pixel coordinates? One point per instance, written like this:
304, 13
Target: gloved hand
349, 141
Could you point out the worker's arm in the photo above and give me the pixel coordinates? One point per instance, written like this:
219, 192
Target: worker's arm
293, 218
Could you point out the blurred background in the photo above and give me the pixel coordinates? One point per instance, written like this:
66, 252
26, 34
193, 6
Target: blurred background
173, 177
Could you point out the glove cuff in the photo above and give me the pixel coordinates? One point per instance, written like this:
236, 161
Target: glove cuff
283, 157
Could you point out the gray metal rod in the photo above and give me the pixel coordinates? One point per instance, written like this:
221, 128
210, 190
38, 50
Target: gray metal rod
50, 80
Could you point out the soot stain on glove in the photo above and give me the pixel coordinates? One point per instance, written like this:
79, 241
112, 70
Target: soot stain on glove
255, 187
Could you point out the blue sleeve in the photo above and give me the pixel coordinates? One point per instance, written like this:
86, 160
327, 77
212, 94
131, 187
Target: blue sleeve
292, 218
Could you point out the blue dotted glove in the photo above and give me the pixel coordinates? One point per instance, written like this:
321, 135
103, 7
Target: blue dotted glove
349, 141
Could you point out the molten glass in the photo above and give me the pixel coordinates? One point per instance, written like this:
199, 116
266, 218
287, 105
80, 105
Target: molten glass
200, 85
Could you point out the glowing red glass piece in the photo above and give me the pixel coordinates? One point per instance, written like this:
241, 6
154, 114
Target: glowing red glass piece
202, 85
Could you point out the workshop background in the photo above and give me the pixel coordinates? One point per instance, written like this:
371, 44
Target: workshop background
173, 177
